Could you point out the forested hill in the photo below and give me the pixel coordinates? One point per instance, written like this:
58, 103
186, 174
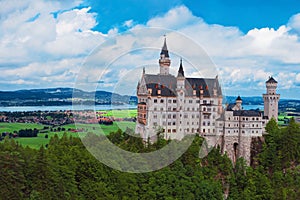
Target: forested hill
66, 170
59, 96
63, 96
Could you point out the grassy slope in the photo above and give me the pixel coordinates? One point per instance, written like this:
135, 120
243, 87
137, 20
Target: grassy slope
36, 142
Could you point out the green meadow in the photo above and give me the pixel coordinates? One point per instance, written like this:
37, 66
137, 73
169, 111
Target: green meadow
41, 139
119, 113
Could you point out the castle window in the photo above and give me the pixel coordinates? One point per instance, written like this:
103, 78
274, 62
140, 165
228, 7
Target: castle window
187, 123
256, 125
169, 123
174, 123
161, 109
174, 116
169, 130
204, 101
188, 109
204, 124
204, 130
174, 130
154, 108
155, 100
190, 101
169, 101
211, 102
174, 109
185, 116
193, 109
214, 109
243, 131
169, 108
169, 116
204, 108
193, 116
208, 123
197, 101
187, 129
257, 118
174, 101
161, 101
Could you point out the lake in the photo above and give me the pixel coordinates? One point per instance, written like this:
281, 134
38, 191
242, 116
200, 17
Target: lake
97, 107
68, 107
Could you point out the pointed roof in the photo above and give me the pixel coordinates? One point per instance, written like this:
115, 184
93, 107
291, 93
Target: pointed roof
164, 49
239, 98
271, 80
180, 71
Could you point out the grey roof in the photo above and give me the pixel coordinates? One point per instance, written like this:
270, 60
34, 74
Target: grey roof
164, 50
180, 71
168, 83
247, 113
271, 80
230, 106
239, 98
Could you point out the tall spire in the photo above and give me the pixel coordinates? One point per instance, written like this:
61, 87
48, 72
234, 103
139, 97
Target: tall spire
180, 71
164, 50
164, 61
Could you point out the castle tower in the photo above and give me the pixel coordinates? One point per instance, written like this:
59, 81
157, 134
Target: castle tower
238, 103
180, 90
164, 61
271, 99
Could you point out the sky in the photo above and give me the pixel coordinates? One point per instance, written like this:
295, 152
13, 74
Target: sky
46, 44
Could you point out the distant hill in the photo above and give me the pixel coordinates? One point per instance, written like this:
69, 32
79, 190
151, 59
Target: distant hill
63, 96
60, 96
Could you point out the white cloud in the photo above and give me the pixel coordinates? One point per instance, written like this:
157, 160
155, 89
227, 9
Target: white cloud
128, 23
52, 49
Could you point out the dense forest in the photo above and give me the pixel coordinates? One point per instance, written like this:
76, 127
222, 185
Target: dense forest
66, 170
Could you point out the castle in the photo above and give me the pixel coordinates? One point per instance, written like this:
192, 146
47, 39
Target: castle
178, 105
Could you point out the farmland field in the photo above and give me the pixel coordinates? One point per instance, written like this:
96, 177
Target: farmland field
119, 113
36, 142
